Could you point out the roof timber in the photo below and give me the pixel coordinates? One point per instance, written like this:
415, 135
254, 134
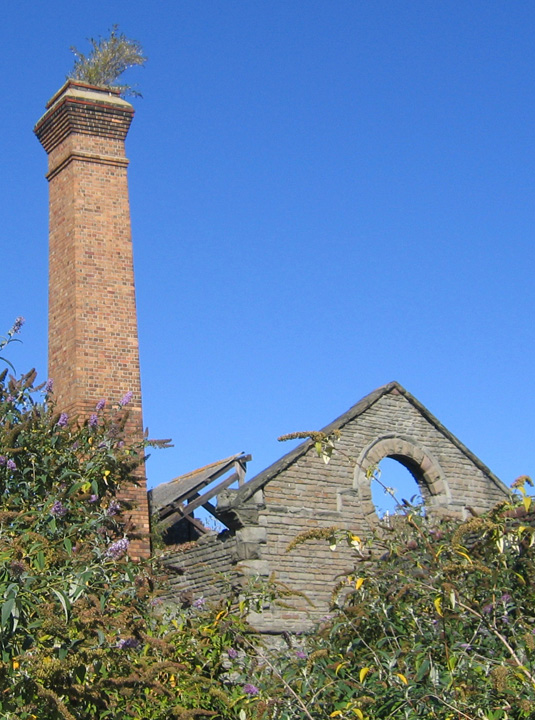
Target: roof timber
177, 499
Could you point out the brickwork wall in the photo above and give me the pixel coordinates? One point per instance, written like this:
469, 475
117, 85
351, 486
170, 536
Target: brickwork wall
93, 339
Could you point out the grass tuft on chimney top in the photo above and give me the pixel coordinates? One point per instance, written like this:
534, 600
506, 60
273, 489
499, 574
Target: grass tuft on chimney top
106, 62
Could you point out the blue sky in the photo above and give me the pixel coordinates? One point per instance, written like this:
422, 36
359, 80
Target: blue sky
326, 196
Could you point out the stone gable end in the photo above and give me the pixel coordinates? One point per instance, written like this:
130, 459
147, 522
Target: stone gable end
303, 493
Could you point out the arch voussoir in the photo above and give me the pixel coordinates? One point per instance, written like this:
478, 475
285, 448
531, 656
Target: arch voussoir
417, 459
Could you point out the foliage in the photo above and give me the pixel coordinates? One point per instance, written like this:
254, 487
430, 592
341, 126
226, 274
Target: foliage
83, 633
10, 338
436, 621
108, 59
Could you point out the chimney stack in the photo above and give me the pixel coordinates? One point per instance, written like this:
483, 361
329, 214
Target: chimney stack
93, 348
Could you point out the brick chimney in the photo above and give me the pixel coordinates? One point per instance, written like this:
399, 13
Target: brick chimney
93, 348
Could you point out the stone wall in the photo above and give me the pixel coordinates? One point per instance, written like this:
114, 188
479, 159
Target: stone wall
202, 569
301, 493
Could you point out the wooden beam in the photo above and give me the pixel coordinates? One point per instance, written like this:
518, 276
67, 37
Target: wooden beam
177, 516
202, 499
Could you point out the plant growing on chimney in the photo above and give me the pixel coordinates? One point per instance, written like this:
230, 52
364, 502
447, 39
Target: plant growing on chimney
108, 59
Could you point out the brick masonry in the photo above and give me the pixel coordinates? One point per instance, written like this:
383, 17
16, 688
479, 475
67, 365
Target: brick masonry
300, 492
93, 342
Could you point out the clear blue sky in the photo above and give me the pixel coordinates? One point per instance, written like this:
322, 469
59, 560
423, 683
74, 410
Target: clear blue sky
326, 196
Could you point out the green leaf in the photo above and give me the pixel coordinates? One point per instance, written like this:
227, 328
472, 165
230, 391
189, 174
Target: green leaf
16, 615
65, 604
76, 486
7, 609
423, 670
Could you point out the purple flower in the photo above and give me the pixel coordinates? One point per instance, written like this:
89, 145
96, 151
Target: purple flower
93, 420
11, 465
3, 459
126, 398
19, 322
100, 405
465, 646
117, 549
113, 508
300, 654
17, 567
250, 689
10, 398
93, 498
506, 598
487, 609
63, 420
49, 385
199, 603
232, 653
58, 509
131, 642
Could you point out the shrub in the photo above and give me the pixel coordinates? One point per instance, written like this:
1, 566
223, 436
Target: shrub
107, 61
83, 633
436, 621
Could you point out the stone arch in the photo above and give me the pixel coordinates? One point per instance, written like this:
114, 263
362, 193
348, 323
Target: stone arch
419, 461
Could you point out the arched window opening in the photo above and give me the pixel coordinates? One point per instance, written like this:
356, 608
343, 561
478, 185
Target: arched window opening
401, 487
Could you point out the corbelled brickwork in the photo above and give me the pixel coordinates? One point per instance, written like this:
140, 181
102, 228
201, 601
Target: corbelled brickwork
93, 342
300, 493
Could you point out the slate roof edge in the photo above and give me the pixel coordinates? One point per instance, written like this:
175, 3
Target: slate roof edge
174, 487
258, 482
454, 440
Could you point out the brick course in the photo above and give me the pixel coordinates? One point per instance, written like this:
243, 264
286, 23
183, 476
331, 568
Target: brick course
93, 342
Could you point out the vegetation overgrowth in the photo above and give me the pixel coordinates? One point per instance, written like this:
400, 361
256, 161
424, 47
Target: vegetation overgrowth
107, 60
82, 631
436, 621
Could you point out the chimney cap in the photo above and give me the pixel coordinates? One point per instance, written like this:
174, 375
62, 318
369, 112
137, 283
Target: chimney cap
83, 108
77, 88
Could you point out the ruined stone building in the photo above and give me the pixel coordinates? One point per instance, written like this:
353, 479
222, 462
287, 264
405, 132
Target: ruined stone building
93, 354
300, 492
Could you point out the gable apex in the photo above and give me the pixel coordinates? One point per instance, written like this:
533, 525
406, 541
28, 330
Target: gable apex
360, 408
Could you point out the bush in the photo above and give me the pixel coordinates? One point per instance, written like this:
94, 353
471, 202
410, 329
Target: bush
83, 633
107, 61
437, 621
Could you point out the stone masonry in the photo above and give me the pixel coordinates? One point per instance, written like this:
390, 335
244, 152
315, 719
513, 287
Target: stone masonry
93, 342
300, 493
